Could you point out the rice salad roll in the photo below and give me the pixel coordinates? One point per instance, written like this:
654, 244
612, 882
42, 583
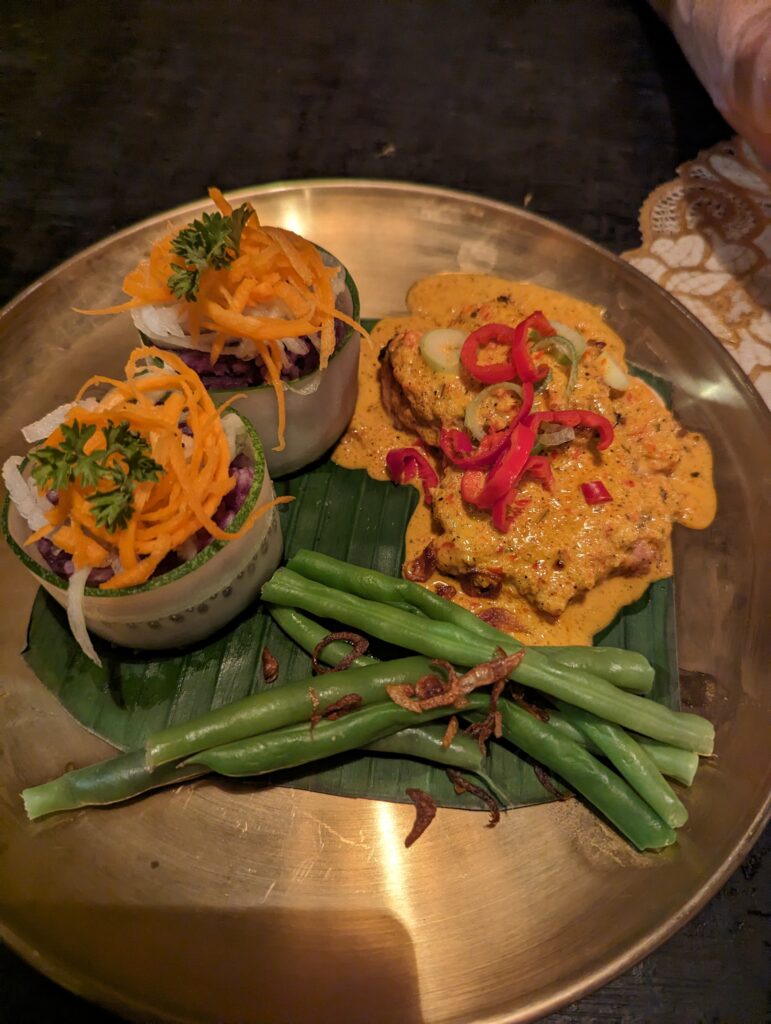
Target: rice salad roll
260, 310
143, 509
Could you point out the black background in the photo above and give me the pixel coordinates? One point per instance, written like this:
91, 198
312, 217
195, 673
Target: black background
110, 112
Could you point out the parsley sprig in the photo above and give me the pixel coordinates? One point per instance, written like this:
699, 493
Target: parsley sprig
213, 241
124, 462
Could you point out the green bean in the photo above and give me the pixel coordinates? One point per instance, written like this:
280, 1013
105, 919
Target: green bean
107, 782
626, 669
632, 762
127, 775
279, 706
597, 783
444, 640
308, 634
302, 743
425, 742
672, 761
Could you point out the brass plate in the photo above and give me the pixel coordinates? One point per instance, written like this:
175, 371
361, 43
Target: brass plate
217, 903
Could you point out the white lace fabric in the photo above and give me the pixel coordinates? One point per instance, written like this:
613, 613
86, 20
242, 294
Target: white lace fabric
706, 238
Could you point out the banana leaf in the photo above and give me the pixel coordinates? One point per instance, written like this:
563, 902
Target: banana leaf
346, 514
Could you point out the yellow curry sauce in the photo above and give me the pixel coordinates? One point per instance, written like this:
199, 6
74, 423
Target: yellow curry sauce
565, 570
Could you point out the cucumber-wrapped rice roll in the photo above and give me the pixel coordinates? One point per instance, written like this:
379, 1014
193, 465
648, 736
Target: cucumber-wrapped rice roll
147, 512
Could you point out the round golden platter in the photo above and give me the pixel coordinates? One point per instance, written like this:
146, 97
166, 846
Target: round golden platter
218, 903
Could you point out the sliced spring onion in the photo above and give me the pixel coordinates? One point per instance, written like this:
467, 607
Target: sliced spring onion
568, 353
551, 438
577, 340
612, 373
472, 420
441, 347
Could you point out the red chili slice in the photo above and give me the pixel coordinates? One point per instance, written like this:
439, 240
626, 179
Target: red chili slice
459, 449
519, 364
540, 467
508, 469
523, 360
456, 443
596, 493
491, 373
576, 418
404, 464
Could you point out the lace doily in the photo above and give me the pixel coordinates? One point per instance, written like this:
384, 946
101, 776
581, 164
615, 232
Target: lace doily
707, 240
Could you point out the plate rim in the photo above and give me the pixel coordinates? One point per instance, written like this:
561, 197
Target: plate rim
728, 363
91, 988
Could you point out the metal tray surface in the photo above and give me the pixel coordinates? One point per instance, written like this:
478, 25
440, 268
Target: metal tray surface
216, 902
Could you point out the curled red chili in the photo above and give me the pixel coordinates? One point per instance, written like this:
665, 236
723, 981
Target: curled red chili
507, 469
459, 449
596, 493
539, 466
491, 373
523, 360
405, 464
576, 418
519, 363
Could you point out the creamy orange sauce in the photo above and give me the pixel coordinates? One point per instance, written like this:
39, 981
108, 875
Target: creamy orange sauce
467, 301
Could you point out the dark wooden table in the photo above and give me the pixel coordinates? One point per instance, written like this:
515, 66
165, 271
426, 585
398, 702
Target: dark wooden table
112, 111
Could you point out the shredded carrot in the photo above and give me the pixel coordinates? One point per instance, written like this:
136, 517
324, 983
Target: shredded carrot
220, 201
39, 534
195, 469
272, 264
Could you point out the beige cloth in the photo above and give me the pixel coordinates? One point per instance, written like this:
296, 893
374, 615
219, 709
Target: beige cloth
706, 238
728, 45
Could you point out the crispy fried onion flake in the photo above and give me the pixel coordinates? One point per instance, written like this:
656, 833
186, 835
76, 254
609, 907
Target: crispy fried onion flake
462, 785
359, 646
548, 783
269, 666
434, 692
343, 706
425, 812
492, 723
450, 732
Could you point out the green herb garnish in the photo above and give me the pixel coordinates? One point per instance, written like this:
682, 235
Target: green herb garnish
125, 461
213, 241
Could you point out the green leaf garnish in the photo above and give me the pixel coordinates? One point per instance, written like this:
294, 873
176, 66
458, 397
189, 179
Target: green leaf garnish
125, 461
213, 241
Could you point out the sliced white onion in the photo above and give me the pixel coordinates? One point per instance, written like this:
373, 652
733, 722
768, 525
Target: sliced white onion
441, 347
471, 419
76, 615
162, 323
338, 281
551, 438
40, 429
304, 386
231, 424
296, 345
23, 494
612, 373
574, 336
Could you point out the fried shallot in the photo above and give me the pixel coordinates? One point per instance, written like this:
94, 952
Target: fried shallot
462, 785
269, 666
359, 646
425, 812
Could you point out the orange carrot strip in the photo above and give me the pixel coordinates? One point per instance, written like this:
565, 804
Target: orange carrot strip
39, 534
142, 571
220, 201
